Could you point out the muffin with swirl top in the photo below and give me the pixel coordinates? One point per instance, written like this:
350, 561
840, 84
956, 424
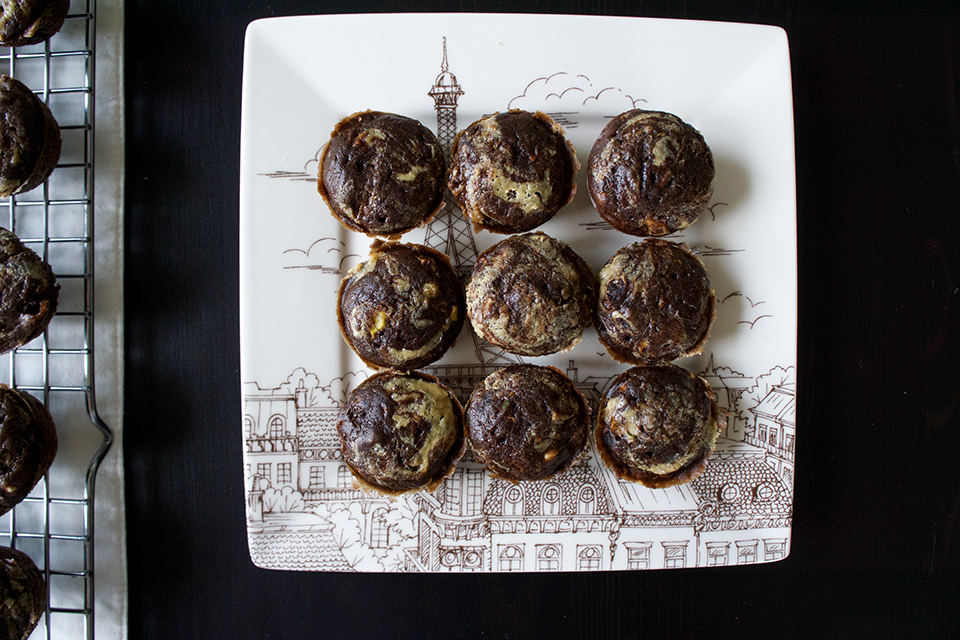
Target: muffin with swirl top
28, 445
649, 173
30, 136
527, 422
512, 171
657, 425
654, 303
382, 174
29, 293
25, 22
23, 594
402, 308
531, 295
401, 432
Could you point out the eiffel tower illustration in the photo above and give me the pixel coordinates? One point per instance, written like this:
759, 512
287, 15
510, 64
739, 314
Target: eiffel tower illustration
451, 233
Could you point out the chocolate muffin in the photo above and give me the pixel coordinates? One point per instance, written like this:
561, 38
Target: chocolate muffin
511, 172
382, 174
401, 432
654, 303
531, 295
23, 594
24, 22
657, 425
30, 138
28, 293
527, 422
402, 308
650, 173
28, 445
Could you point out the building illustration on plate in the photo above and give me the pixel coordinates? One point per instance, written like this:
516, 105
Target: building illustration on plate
304, 513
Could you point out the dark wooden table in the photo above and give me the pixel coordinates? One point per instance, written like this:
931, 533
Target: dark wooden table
876, 539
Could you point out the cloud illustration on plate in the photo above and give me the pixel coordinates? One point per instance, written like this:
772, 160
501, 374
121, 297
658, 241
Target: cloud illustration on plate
325, 255
568, 95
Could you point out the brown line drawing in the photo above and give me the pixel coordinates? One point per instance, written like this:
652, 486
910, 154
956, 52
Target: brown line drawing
739, 294
300, 176
713, 216
753, 322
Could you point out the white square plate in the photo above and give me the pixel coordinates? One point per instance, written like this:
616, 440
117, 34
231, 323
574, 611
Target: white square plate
730, 81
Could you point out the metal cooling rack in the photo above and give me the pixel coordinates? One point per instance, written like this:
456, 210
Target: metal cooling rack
55, 524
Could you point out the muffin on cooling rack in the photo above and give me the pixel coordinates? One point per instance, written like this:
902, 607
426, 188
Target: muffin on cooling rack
23, 594
28, 293
531, 295
24, 22
527, 422
401, 308
654, 303
31, 139
401, 432
650, 173
28, 445
657, 425
382, 174
511, 172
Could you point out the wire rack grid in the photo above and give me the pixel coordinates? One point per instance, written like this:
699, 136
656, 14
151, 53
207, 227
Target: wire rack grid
54, 525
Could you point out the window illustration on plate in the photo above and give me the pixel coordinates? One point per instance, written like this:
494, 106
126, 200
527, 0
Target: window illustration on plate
718, 554
587, 500
551, 500
638, 555
317, 477
275, 429
344, 477
379, 529
513, 501
774, 550
548, 557
511, 557
746, 551
674, 555
588, 557
474, 521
